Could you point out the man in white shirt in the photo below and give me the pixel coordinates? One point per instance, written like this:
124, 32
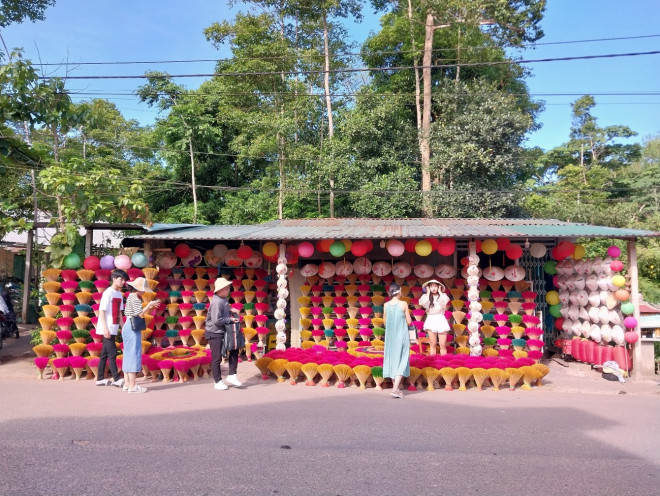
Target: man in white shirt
108, 324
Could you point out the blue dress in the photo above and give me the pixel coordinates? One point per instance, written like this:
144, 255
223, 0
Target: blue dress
396, 360
132, 360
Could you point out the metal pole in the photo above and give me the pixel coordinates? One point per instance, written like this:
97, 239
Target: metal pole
635, 299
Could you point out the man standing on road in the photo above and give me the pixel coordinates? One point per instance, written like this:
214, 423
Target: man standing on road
109, 322
220, 314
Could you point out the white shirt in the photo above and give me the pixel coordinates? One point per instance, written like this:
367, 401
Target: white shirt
113, 303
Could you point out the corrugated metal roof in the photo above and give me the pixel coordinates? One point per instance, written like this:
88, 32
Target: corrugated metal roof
314, 229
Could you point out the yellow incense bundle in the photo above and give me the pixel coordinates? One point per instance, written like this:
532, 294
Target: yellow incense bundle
431, 374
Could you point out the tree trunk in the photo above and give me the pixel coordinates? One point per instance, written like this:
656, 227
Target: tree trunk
424, 136
418, 104
328, 102
194, 187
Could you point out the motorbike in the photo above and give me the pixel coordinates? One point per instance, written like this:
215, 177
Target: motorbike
8, 321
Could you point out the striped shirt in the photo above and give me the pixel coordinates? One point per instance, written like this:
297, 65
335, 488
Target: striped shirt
133, 305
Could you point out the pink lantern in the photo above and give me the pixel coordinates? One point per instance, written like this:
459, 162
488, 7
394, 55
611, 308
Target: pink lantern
395, 247
630, 322
123, 262
631, 337
92, 263
613, 251
306, 249
616, 265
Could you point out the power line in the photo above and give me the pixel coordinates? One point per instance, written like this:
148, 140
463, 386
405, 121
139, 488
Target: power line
346, 54
360, 69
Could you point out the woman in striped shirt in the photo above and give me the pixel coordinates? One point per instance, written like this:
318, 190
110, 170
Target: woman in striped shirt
132, 332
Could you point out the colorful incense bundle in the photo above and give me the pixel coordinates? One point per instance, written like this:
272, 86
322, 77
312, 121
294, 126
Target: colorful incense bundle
464, 375
62, 366
182, 367
415, 374
78, 364
431, 374
278, 367
326, 371
462, 350
310, 370
480, 375
41, 363
165, 368
77, 349
543, 371
377, 374
51, 286
497, 377
47, 323
448, 375
362, 372
47, 336
262, 364
343, 373
43, 350
293, 369
530, 375
515, 374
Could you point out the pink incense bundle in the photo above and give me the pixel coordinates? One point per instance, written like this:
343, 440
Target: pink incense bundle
165, 368
41, 363
62, 365
77, 363
182, 367
61, 350
69, 275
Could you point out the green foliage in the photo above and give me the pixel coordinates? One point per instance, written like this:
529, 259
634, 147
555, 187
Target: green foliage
61, 244
25, 10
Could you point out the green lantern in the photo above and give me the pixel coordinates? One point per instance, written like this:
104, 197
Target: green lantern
72, 261
337, 249
550, 267
627, 308
555, 310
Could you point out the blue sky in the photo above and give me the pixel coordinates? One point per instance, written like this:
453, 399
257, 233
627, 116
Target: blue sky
150, 30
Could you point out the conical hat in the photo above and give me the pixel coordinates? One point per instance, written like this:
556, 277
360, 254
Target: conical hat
594, 332
593, 315
594, 298
611, 301
401, 269
592, 282
362, 265
309, 270
604, 315
614, 317
514, 273
606, 332
584, 315
381, 268
617, 334
327, 270
445, 271
343, 268
493, 273
423, 270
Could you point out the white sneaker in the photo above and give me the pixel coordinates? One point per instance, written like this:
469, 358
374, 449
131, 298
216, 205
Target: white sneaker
103, 382
118, 383
221, 386
233, 380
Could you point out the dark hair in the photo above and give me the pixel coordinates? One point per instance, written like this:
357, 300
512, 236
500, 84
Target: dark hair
393, 289
119, 273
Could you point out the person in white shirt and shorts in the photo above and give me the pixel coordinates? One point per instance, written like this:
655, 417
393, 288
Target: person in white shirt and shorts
435, 301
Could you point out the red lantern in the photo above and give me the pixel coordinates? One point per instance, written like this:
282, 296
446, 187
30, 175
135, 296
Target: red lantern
565, 249
244, 252
92, 263
292, 254
434, 243
182, 250
370, 244
446, 246
503, 244
323, 245
478, 247
559, 323
410, 245
514, 252
359, 248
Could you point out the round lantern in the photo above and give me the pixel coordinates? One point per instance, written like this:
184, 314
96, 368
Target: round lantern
446, 246
244, 252
613, 251
337, 249
550, 267
292, 254
269, 249
347, 244
92, 263
434, 243
565, 249
619, 281
514, 252
370, 244
555, 310
627, 308
423, 248
123, 262
622, 294
108, 262
182, 250
489, 246
323, 245
220, 250
559, 323
616, 265
503, 244
72, 261
395, 248
410, 245
359, 248
139, 259
552, 297
306, 249
630, 322
538, 250
579, 252
631, 337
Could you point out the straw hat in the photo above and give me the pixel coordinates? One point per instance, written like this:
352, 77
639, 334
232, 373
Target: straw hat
221, 283
140, 284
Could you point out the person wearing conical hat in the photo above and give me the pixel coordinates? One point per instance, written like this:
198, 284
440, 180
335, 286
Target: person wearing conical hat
435, 301
219, 315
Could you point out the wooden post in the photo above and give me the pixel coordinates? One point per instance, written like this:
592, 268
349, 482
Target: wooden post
26, 276
89, 241
635, 299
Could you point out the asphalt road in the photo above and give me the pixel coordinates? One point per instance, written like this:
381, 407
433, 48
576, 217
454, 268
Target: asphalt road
73, 438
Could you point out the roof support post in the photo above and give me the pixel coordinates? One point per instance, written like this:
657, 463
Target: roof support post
634, 297
89, 241
26, 276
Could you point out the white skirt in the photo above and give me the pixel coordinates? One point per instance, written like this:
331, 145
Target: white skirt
436, 323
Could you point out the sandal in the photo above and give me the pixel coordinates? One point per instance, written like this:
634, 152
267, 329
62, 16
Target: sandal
138, 389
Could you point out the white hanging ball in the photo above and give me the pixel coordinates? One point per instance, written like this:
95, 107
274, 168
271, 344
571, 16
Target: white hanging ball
474, 339
280, 326
281, 268
473, 326
473, 281
475, 306
279, 313
476, 350
283, 293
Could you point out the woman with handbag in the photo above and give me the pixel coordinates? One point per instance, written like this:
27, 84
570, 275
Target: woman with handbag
132, 332
221, 322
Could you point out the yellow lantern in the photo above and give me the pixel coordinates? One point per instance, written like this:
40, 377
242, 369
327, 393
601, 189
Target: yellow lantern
552, 297
489, 246
270, 249
423, 248
619, 281
579, 252
347, 244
